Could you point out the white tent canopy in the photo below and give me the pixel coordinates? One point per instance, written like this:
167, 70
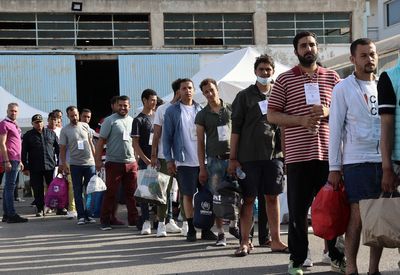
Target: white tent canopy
25, 110
233, 72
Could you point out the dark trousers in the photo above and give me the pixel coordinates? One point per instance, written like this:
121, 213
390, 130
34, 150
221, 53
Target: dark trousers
304, 180
36, 181
116, 174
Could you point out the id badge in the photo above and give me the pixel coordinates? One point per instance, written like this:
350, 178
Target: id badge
125, 135
81, 145
151, 139
263, 106
223, 132
193, 133
312, 93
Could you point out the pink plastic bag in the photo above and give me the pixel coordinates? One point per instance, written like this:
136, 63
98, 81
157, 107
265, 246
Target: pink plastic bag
57, 194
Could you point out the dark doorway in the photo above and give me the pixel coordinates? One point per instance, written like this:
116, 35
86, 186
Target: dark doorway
97, 82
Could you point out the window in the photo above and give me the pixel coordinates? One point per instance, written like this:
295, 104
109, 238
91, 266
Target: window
392, 12
329, 27
208, 29
46, 29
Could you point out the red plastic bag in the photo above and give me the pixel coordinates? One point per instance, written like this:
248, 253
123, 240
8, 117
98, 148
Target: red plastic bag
330, 212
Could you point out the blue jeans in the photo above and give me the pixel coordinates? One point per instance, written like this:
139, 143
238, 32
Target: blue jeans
81, 175
9, 187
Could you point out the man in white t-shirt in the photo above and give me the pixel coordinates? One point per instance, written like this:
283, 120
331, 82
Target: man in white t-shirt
157, 158
180, 148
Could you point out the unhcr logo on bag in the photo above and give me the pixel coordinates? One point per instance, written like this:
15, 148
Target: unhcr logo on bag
205, 208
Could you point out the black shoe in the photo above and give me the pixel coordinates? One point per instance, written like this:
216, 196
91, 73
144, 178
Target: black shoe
39, 213
4, 219
16, 219
191, 236
234, 231
208, 235
62, 212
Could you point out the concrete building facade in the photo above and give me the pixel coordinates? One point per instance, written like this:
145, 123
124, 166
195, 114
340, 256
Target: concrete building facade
113, 34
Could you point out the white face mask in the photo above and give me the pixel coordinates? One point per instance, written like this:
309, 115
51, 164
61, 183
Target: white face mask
264, 81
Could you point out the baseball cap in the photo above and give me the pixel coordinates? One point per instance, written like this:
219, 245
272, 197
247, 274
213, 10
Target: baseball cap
37, 117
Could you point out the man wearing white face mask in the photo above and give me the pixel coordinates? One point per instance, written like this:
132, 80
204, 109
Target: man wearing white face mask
256, 150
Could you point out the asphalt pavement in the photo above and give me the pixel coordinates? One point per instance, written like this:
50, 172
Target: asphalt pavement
55, 245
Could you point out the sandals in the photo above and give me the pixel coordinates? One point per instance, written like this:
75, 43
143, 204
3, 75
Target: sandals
242, 251
282, 250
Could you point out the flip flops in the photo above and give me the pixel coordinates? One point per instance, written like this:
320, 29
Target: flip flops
242, 251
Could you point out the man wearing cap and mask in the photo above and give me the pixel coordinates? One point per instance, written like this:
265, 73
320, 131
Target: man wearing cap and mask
39, 151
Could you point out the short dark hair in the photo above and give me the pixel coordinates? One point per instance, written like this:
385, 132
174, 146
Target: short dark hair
359, 41
184, 80
123, 98
300, 35
114, 99
207, 81
176, 85
51, 116
86, 110
148, 93
160, 101
70, 108
57, 111
264, 58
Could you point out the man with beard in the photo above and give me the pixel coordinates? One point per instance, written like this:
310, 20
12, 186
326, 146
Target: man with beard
121, 166
76, 137
300, 102
354, 144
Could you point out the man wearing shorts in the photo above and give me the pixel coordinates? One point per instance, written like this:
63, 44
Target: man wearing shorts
180, 148
354, 144
253, 149
213, 132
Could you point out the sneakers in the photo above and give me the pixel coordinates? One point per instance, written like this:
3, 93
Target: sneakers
146, 228
172, 227
185, 229
16, 219
325, 257
338, 266
4, 219
191, 236
208, 235
292, 270
308, 262
221, 241
71, 215
105, 227
234, 231
161, 230
81, 221
90, 220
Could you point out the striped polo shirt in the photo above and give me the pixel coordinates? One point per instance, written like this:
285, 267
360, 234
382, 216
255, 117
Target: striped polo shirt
288, 96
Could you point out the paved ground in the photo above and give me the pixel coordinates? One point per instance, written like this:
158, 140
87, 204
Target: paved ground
54, 245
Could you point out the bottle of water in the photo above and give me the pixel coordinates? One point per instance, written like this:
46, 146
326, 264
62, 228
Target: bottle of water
240, 174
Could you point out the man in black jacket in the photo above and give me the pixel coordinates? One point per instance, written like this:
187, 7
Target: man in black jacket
39, 155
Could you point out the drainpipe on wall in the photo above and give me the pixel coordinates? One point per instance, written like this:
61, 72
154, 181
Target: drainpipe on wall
367, 13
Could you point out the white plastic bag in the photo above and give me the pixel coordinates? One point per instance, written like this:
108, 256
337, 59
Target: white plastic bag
96, 184
151, 186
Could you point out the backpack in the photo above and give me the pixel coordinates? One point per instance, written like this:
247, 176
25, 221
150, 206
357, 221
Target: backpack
57, 193
203, 209
228, 200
